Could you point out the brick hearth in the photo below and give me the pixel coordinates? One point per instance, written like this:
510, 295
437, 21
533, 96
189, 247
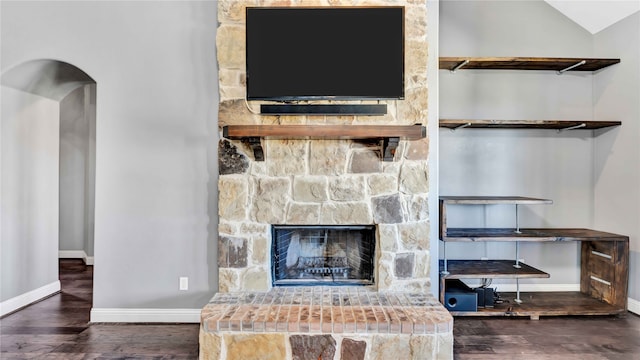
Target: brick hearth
328, 320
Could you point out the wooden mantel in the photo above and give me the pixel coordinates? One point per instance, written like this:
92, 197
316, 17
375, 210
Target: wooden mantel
390, 135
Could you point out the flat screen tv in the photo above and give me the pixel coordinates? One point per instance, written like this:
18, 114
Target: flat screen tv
350, 53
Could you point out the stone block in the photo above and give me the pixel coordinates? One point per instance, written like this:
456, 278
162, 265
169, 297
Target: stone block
230, 161
226, 228
414, 178
210, 345
423, 347
417, 149
388, 235
422, 264
230, 43
232, 252
380, 184
260, 250
347, 188
234, 112
404, 264
416, 22
253, 228
228, 280
417, 207
328, 157
353, 349
365, 161
385, 272
233, 10
233, 198
305, 347
345, 213
255, 279
414, 108
387, 209
310, 189
385, 347
271, 197
286, 157
303, 214
255, 346
445, 346
414, 236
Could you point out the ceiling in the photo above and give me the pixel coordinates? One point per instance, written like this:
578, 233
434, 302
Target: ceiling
595, 15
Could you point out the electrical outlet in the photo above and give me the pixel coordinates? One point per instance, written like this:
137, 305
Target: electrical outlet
484, 258
184, 283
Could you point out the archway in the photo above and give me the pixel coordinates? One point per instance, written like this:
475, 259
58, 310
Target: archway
48, 176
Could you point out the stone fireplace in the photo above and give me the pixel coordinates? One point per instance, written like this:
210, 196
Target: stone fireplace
312, 192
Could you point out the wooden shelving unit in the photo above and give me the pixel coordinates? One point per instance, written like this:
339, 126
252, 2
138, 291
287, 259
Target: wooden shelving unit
604, 256
559, 125
525, 63
604, 265
388, 135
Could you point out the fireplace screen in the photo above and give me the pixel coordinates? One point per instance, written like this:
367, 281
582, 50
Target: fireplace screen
323, 255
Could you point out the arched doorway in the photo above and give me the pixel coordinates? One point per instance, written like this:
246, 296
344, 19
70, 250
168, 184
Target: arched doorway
48, 176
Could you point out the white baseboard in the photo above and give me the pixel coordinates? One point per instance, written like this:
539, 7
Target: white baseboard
76, 254
30, 297
145, 315
633, 306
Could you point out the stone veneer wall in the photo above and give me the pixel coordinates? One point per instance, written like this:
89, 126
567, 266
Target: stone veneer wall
322, 181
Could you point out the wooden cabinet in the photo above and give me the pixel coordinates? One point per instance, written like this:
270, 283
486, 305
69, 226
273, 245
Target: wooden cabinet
604, 256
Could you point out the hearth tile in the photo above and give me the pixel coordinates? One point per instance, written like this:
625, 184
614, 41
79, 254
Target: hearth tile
258, 326
327, 319
304, 327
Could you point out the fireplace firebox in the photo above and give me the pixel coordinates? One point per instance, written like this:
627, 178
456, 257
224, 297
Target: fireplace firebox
323, 254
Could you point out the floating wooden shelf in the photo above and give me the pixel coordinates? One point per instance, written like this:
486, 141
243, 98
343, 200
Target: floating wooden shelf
489, 269
509, 234
526, 124
491, 200
389, 135
525, 63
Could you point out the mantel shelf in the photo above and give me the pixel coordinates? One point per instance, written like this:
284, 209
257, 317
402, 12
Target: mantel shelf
454, 124
525, 63
389, 135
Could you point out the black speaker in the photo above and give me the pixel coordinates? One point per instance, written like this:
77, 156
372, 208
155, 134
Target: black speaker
485, 297
324, 109
459, 297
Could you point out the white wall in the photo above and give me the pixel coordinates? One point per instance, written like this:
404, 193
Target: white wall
29, 231
538, 163
156, 168
617, 162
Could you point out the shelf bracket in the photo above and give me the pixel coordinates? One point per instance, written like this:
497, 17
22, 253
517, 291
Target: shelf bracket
389, 146
560, 72
461, 126
573, 127
460, 65
256, 146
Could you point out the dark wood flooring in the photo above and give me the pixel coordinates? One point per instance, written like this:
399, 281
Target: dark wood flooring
58, 328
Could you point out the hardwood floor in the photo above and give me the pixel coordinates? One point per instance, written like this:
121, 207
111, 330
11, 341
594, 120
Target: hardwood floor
58, 328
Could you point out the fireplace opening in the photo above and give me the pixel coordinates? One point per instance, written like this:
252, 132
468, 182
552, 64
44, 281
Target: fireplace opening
323, 255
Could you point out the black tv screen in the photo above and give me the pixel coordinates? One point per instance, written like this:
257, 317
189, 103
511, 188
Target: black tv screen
325, 53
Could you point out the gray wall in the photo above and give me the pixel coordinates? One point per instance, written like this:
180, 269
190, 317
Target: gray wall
156, 168
538, 163
617, 162
77, 170
29, 194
